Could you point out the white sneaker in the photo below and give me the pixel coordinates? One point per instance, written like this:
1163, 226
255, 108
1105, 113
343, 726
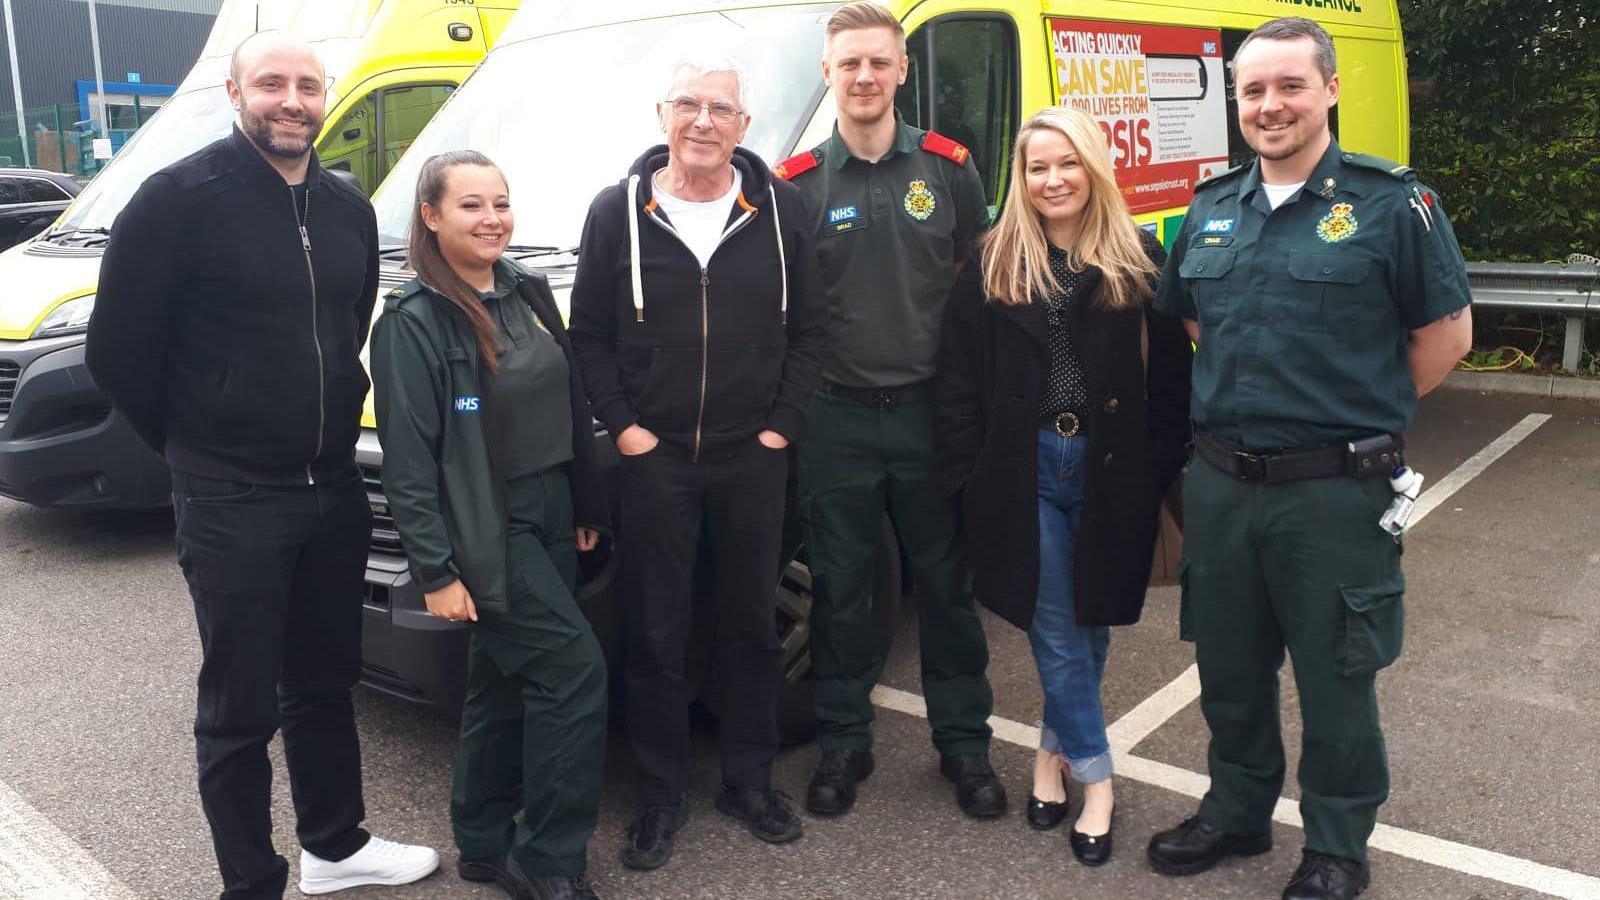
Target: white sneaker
379, 862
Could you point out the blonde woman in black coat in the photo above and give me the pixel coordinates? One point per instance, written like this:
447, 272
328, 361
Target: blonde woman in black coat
1062, 417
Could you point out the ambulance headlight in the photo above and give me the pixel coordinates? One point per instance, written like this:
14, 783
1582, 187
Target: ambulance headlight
71, 317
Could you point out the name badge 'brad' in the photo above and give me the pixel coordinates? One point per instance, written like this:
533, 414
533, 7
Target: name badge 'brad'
844, 218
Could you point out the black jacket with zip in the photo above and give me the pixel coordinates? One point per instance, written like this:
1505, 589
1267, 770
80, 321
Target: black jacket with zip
706, 358
438, 473
230, 344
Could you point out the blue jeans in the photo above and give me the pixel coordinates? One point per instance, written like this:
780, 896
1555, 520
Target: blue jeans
1071, 658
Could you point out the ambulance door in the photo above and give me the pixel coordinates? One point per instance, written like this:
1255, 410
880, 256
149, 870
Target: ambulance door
964, 82
369, 139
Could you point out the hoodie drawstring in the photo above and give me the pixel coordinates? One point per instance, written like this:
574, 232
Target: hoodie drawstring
633, 247
783, 264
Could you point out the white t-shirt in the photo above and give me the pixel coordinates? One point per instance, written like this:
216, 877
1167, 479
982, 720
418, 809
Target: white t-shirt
700, 224
1277, 193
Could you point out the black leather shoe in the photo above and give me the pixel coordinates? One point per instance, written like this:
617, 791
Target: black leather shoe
648, 842
1324, 877
1197, 845
488, 871
978, 791
561, 887
764, 811
1092, 850
519, 885
1044, 815
833, 787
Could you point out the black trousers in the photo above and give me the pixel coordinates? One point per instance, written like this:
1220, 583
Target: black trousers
276, 574
737, 497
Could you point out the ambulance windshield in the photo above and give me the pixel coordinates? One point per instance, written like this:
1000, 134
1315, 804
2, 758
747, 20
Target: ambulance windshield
187, 122
564, 115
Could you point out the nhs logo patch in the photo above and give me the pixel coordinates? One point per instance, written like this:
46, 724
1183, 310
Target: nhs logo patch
1218, 226
844, 218
465, 404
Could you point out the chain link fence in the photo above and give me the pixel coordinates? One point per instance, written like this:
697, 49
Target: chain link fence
58, 140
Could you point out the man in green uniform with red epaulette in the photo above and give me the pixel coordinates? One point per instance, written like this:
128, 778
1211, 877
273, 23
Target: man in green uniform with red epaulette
1325, 293
898, 210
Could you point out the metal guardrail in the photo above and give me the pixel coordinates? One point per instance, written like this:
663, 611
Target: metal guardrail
1570, 290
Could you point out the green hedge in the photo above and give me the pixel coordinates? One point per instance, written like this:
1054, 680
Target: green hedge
1506, 125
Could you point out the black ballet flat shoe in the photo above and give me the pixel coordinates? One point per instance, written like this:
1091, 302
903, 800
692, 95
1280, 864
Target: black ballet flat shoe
1093, 850
1044, 815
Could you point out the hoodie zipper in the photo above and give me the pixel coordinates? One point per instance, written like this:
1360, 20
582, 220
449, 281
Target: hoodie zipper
705, 315
316, 337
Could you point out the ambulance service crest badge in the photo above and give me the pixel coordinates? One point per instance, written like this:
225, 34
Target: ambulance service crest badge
1338, 224
919, 201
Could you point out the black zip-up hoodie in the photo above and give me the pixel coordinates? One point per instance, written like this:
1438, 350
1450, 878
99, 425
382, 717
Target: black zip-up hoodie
228, 339
704, 358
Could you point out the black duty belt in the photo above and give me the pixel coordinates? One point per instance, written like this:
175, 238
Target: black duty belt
1360, 458
881, 397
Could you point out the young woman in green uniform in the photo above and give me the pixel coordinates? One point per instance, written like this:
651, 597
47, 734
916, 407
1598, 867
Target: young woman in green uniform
489, 471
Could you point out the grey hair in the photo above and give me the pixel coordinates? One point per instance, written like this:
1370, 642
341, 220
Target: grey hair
1293, 28
709, 62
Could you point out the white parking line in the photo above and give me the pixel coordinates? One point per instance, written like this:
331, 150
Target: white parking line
1145, 718
1445, 487
39, 862
1434, 851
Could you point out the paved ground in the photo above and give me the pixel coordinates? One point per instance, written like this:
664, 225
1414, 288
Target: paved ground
1491, 717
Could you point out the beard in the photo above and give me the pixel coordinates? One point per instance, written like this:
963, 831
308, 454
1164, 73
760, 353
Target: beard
259, 130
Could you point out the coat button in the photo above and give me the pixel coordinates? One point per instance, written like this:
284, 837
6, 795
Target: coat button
1111, 405
1108, 460
1326, 270
1200, 268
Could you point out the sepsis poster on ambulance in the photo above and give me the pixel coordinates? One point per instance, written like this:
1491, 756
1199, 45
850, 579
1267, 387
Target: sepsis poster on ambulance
1157, 92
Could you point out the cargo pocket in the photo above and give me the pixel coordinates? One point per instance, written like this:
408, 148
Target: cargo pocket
1185, 602
1374, 625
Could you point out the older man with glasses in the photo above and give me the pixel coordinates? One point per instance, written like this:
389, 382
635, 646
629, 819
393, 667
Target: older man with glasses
698, 325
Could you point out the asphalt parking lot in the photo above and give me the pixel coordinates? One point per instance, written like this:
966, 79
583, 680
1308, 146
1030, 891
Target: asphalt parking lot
1491, 716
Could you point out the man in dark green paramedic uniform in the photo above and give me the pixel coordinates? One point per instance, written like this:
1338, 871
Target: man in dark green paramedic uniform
898, 210
1325, 293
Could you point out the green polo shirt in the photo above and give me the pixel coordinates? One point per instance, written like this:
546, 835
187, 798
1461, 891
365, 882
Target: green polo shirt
529, 400
889, 235
1305, 310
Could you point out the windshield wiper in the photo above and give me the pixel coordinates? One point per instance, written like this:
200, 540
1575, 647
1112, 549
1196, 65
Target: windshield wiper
88, 233
526, 250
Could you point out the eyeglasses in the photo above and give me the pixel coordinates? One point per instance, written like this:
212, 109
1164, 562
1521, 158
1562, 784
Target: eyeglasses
689, 108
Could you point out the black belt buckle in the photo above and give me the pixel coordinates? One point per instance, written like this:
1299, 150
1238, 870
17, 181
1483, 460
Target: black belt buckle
885, 399
1251, 466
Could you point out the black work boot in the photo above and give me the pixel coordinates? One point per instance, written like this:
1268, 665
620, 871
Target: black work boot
488, 871
1325, 877
762, 810
833, 786
648, 842
978, 792
1196, 845
519, 885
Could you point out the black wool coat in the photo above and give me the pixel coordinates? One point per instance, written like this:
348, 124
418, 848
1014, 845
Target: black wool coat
992, 365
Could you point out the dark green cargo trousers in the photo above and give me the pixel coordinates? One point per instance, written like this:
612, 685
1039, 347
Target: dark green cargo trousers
1300, 565
857, 461
533, 728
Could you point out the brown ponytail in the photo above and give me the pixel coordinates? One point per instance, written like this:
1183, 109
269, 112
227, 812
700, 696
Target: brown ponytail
429, 263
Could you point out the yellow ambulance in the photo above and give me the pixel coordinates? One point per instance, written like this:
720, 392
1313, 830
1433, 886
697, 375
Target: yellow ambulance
390, 63
566, 101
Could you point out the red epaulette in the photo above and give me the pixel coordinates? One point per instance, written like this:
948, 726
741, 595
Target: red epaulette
798, 164
939, 145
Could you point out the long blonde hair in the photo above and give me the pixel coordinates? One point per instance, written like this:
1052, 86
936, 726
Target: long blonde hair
1016, 253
